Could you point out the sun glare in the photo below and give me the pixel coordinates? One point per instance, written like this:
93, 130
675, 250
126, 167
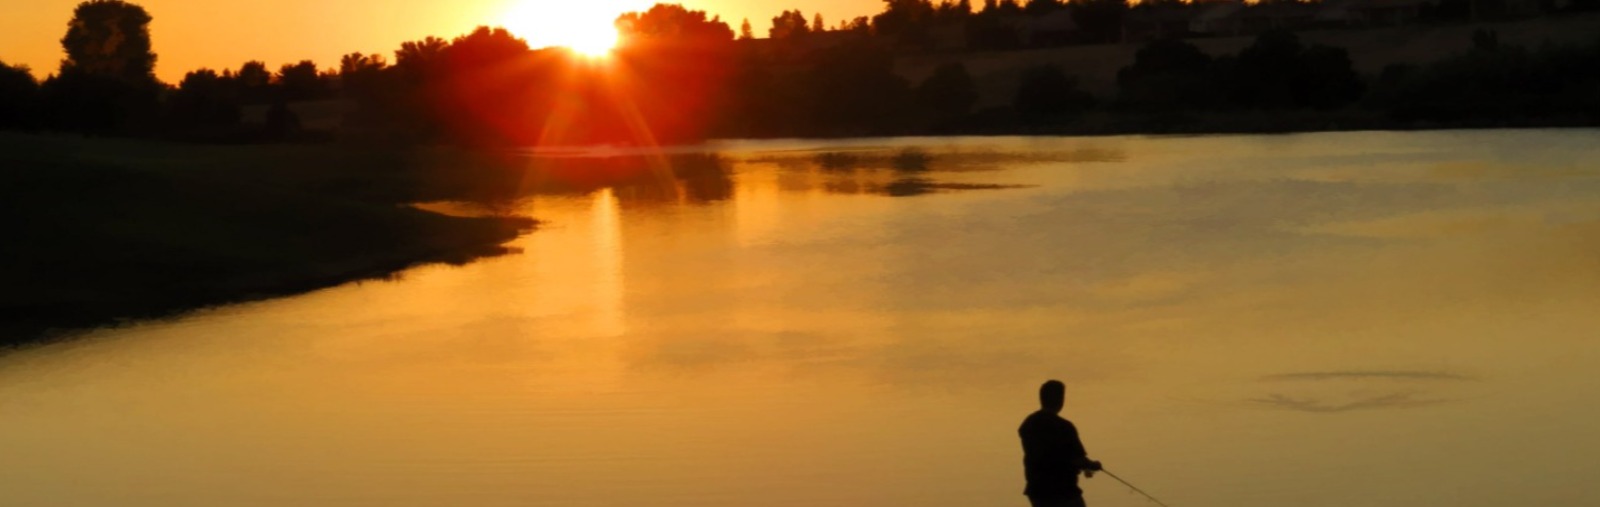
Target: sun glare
586, 26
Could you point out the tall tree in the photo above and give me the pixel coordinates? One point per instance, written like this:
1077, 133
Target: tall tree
1168, 74
788, 25
204, 99
674, 22
301, 81
420, 60
107, 82
745, 32
109, 38
254, 82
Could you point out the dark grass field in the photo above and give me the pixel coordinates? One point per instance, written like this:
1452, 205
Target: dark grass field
98, 232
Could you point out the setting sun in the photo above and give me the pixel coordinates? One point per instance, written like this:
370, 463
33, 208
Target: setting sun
585, 27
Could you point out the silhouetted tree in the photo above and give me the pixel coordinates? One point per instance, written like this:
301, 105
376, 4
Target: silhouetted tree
788, 25
1047, 92
486, 92
107, 82
860, 25
422, 59
1167, 74
302, 81
360, 74
906, 21
953, 11
676, 23
110, 38
254, 82
949, 92
19, 96
817, 25
745, 31
679, 68
204, 99
1042, 7
1277, 72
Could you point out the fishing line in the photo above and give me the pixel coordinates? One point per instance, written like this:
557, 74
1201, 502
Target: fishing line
1135, 488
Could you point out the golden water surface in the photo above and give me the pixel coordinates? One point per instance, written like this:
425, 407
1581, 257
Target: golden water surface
1375, 319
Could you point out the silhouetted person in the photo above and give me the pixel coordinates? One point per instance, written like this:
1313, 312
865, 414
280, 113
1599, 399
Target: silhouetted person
1052, 454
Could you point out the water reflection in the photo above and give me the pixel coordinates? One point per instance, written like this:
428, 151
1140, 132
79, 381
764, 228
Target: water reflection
608, 255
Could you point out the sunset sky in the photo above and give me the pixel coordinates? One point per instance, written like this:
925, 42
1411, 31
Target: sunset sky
189, 34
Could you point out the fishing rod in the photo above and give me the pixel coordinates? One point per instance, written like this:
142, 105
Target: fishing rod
1135, 488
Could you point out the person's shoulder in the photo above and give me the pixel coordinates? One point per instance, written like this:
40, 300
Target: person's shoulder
1035, 419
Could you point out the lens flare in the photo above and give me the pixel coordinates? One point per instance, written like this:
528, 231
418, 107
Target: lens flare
587, 27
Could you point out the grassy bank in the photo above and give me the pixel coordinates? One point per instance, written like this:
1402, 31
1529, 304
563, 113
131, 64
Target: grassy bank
102, 231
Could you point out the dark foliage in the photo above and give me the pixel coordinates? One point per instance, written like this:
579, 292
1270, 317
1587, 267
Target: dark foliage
907, 21
204, 100
949, 92
1048, 93
1277, 72
100, 105
1168, 74
1499, 84
107, 83
788, 25
302, 81
19, 98
109, 38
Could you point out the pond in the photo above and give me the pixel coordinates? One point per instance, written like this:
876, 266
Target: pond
1370, 318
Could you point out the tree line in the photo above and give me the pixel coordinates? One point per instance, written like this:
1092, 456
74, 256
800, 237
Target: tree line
683, 75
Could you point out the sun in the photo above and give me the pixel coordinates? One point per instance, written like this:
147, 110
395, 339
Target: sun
585, 26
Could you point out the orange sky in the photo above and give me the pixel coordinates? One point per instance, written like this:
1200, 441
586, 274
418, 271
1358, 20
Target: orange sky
190, 34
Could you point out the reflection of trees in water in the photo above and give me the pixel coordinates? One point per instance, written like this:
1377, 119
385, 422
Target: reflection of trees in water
917, 160
908, 172
645, 179
912, 160
501, 183
909, 187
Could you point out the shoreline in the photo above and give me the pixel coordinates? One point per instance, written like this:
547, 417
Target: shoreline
106, 232
51, 325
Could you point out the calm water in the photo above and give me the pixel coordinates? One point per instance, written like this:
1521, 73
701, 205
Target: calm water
1377, 319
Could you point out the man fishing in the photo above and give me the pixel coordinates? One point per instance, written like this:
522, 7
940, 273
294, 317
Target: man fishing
1052, 454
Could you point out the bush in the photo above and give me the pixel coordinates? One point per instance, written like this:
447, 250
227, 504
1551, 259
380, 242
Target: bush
1048, 92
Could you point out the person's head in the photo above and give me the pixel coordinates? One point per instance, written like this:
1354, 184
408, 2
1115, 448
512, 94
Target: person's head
1052, 395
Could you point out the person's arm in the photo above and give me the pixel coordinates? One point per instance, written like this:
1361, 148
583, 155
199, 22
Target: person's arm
1085, 465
